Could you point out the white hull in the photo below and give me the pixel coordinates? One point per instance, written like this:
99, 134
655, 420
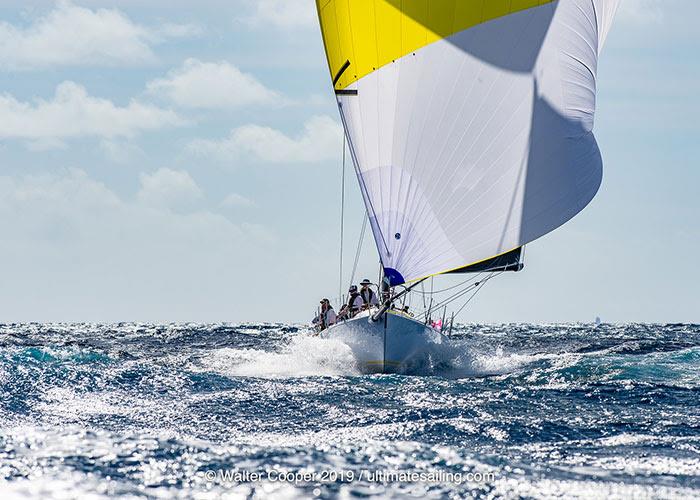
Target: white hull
397, 343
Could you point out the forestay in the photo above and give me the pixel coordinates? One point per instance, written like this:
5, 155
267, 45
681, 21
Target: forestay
469, 121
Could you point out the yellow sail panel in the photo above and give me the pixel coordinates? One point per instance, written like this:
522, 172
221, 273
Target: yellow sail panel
372, 33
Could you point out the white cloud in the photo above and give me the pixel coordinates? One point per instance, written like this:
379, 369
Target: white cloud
81, 252
321, 139
209, 85
73, 113
121, 152
45, 144
70, 35
72, 185
237, 200
283, 13
168, 188
169, 30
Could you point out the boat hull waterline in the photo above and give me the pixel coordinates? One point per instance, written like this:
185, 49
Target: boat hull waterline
396, 343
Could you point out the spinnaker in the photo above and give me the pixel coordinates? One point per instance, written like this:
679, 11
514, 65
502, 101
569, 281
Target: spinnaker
469, 122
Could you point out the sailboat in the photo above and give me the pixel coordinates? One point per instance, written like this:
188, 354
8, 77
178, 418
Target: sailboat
469, 125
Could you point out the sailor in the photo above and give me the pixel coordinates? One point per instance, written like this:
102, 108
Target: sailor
354, 304
369, 298
327, 315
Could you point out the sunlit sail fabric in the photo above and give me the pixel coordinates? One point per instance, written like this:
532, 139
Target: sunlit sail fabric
469, 121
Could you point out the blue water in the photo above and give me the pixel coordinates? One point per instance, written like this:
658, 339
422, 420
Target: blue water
529, 411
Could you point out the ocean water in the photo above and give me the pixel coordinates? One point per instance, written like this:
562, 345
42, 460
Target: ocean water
270, 411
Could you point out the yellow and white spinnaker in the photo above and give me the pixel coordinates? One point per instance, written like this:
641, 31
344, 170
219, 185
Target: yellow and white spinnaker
469, 121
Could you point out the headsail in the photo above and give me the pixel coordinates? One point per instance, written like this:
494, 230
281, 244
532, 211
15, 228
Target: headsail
469, 121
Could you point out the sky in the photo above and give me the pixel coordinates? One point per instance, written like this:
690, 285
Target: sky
173, 161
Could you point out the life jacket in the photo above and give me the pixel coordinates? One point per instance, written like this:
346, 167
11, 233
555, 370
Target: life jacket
367, 300
351, 302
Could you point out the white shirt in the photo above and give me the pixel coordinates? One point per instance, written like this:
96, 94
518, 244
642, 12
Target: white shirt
358, 302
374, 301
330, 317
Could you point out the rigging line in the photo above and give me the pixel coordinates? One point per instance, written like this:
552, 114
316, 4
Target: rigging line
476, 291
359, 249
452, 298
474, 277
479, 284
468, 289
457, 295
342, 222
467, 302
463, 292
363, 186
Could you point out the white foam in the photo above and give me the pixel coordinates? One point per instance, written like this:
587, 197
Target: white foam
303, 356
309, 355
460, 358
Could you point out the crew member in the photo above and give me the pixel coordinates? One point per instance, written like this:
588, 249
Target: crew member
369, 298
326, 317
354, 304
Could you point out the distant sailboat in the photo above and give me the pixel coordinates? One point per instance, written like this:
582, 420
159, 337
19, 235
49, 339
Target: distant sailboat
469, 124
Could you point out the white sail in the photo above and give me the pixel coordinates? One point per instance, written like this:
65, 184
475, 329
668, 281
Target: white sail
470, 122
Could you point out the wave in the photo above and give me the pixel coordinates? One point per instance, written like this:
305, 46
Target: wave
303, 355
